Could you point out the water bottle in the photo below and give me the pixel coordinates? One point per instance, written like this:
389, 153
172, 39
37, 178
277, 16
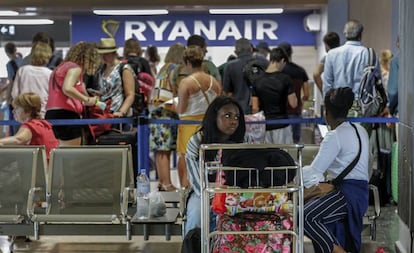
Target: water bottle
143, 190
101, 105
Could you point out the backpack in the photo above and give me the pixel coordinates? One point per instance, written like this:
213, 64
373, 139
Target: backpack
372, 95
248, 158
15, 68
162, 90
143, 86
253, 70
192, 241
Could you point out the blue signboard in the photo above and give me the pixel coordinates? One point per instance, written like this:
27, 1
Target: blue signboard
219, 30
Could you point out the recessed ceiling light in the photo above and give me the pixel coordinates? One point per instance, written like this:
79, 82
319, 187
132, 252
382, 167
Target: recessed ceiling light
30, 9
29, 13
8, 13
26, 22
247, 11
131, 12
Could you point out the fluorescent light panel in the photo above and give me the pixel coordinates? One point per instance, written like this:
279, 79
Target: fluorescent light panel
26, 22
131, 12
247, 11
8, 13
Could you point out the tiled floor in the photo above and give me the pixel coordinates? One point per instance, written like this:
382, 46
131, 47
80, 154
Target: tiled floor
387, 234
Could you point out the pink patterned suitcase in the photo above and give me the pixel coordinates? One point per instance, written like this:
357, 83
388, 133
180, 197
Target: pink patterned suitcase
252, 221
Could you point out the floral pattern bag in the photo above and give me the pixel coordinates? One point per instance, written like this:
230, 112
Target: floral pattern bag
251, 221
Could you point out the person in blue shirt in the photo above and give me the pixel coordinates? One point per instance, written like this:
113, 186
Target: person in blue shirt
15, 61
344, 65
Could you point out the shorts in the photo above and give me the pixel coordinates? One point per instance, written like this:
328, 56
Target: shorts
65, 132
163, 137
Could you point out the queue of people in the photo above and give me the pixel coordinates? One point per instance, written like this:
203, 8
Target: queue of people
42, 94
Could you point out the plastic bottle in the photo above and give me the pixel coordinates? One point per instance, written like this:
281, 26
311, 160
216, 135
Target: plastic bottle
143, 190
101, 105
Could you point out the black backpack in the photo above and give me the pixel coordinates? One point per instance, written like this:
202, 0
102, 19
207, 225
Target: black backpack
259, 159
135, 64
192, 241
253, 70
15, 68
144, 83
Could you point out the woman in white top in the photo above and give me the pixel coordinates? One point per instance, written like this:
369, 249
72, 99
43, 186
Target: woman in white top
334, 222
195, 93
35, 77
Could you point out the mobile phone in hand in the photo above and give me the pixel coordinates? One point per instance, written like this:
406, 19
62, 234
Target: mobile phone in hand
94, 92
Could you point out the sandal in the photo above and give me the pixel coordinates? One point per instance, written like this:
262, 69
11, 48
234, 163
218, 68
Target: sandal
166, 188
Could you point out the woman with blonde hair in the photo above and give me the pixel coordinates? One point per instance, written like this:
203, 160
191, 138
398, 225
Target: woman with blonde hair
34, 130
35, 77
385, 60
195, 93
163, 136
67, 94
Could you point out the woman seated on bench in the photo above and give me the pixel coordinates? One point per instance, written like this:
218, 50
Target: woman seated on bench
33, 130
342, 209
222, 123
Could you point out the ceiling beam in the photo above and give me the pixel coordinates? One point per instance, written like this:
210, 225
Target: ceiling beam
152, 3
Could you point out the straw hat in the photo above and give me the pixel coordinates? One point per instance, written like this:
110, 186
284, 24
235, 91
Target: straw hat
107, 45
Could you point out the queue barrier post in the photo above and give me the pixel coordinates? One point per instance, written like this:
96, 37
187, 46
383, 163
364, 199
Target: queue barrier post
143, 145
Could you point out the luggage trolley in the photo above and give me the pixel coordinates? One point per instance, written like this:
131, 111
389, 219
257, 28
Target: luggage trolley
293, 189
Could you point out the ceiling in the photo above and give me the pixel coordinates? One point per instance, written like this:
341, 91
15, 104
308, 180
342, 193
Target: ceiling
62, 10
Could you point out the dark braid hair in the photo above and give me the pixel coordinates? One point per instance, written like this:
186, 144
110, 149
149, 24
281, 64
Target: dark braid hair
338, 101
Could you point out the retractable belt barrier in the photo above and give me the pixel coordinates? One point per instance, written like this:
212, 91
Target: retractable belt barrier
143, 128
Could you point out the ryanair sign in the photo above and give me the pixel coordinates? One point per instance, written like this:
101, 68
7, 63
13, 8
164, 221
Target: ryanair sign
219, 30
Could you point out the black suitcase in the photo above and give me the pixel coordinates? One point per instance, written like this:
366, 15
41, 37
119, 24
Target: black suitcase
116, 137
381, 176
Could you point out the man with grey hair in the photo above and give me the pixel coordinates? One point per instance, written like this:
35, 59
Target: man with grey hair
234, 83
344, 65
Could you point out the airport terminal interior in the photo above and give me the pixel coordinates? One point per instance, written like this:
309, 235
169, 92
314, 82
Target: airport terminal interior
303, 23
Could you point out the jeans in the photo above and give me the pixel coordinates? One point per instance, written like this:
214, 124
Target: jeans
194, 214
296, 128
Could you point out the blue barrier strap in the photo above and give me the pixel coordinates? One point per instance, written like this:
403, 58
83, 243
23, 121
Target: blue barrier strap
143, 145
175, 122
283, 121
58, 122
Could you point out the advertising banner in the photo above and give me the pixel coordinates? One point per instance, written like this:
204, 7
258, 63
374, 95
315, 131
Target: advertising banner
218, 30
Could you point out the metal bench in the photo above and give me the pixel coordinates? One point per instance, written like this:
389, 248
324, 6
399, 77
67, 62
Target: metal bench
22, 188
86, 192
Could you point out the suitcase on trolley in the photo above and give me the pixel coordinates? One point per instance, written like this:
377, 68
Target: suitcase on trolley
259, 211
251, 221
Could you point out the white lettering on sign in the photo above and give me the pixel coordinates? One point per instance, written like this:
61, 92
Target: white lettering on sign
248, 29
209, 32
171, 30
266, 27
158, 30
179, 30
135, 28
229, 30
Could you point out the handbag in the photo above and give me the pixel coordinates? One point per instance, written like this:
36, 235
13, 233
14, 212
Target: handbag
95, 112
317, 191
323, 188
255, 132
